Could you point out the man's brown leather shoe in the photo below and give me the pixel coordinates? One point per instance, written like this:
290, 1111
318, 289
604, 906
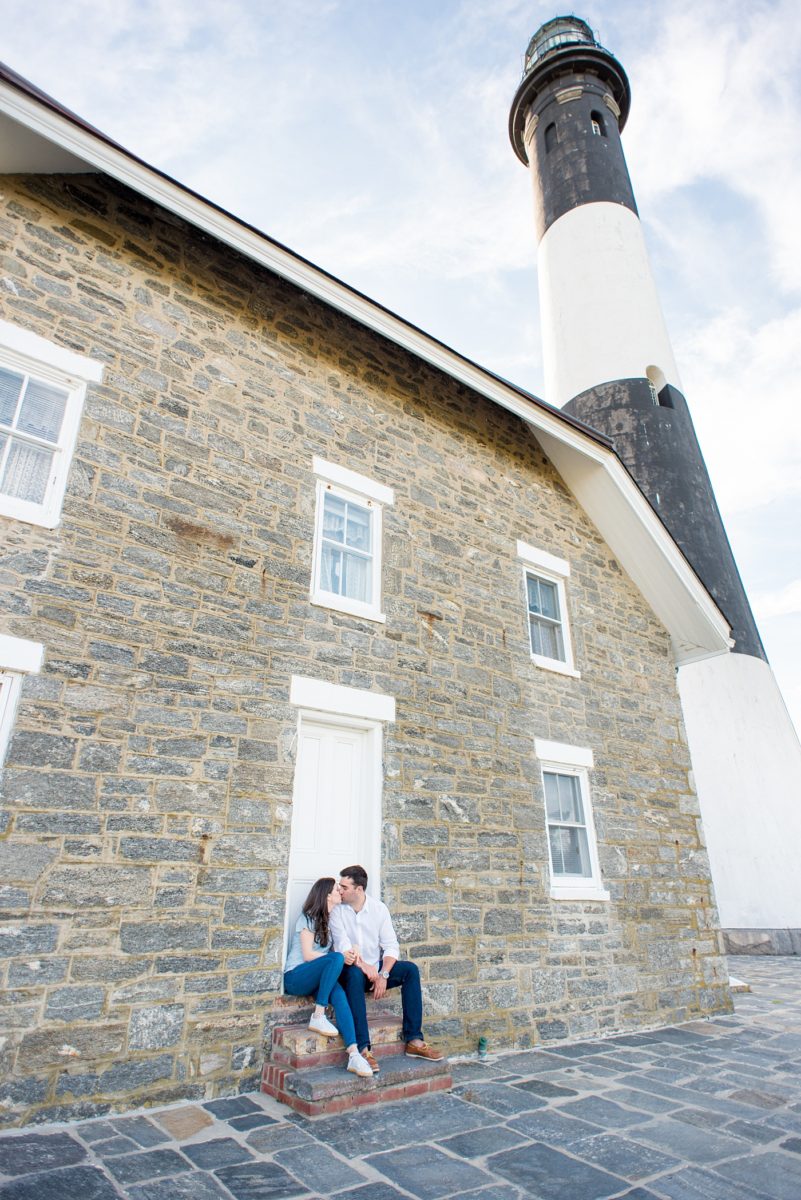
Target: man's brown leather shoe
423, 1050
372, 1060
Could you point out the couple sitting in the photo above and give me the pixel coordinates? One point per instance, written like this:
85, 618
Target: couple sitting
343, 946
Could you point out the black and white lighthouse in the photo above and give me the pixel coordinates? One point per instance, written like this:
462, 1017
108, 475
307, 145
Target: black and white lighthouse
609, 362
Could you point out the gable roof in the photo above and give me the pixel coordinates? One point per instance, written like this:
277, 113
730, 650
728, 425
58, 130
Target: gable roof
39, 136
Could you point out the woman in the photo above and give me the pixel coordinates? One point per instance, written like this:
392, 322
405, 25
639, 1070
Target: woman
313, 968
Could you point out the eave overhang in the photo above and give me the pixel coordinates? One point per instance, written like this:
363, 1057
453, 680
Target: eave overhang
38, 136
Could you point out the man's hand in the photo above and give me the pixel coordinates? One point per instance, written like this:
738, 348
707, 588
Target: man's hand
379, 986
370, 972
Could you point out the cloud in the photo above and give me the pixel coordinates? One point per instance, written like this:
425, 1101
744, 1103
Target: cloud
786, 601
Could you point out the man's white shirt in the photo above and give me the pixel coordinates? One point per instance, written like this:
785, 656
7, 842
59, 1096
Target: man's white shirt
370, 929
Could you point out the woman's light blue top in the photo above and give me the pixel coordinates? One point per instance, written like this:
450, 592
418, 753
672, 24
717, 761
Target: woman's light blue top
295, 955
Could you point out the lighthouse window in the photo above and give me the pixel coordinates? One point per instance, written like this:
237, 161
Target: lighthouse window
598, 124
544, 581
550, 138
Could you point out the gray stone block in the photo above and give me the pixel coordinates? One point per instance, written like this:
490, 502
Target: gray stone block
74, 1004
141, 938
97, 887
23, 862
18, 940
155, 1027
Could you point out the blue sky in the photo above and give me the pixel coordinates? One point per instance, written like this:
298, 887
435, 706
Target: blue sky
370, 136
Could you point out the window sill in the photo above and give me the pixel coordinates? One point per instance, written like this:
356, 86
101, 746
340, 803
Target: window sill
555, 664
579, 892
352, 608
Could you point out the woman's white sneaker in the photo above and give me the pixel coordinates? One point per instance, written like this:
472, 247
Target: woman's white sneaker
322, 1025
359, 1066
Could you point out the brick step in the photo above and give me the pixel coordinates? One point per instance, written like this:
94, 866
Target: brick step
298, 1046
329, 1089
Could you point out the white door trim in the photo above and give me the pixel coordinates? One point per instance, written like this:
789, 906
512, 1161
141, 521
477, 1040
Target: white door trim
318, 696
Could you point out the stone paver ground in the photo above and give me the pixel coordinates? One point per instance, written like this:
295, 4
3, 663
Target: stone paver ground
705, 1111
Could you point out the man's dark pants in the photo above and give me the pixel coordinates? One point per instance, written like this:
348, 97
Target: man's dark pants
404, 975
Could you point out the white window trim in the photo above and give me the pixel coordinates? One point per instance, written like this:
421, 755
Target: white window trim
349, 485
31, 354
554, 570
18, 657
564, 759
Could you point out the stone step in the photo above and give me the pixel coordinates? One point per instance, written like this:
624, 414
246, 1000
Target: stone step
331, 1089
298, 1046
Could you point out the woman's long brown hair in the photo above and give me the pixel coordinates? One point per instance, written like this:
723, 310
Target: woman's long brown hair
316, 909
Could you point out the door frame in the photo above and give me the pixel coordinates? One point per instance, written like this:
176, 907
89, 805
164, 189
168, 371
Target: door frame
350, 708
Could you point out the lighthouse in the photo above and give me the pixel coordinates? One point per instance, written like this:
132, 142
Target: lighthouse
608, 361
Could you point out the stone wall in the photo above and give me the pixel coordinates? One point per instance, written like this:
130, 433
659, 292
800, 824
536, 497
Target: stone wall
148, 785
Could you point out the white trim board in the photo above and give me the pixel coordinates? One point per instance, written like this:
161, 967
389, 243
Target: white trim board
318, 696
20, 654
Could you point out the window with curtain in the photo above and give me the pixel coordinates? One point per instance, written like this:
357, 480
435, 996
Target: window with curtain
42, 388
545, 580
31, 421
544, 618
567, 827
572, 847
346, 571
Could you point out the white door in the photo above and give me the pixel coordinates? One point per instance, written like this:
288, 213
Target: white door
336, 805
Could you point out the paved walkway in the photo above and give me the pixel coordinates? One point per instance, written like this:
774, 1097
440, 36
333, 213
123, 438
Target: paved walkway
706, 1111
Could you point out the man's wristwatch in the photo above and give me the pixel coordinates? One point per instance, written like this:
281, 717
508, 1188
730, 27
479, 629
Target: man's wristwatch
385, 974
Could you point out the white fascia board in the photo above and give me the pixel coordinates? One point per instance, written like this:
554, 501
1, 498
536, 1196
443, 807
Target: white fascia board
594, 473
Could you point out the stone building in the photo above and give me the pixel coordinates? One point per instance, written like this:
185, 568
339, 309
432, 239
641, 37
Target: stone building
286, 583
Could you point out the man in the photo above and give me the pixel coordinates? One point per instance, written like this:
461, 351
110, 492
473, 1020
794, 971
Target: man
363, 924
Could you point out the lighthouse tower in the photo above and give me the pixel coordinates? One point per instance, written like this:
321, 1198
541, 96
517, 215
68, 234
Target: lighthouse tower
609, 362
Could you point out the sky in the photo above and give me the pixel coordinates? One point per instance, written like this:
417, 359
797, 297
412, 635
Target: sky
370, 136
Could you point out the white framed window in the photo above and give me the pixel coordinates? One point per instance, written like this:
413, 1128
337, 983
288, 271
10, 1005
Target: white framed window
544, 583
572, 846
18, 657
346, 567
42, 389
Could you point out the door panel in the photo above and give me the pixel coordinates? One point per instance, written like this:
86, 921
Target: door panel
335, 806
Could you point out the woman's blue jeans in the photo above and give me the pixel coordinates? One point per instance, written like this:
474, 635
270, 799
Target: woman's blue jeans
318, 978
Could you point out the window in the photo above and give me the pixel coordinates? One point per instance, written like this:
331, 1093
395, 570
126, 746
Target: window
42, 388
347, 545
572, 849
550, 138
598, 124
17, 658
544, 577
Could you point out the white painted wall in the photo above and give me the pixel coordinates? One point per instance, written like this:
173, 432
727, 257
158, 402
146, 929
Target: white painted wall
601, 317
747, 765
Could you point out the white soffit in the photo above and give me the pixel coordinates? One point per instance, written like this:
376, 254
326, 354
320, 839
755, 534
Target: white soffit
593, 473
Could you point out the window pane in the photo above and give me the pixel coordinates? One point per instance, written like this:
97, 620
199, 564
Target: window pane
358, 529
334, 518
546, 639
542, 598
331, 569
27, 472
42, 410
356, 582
563, 797
569, 851
10, 387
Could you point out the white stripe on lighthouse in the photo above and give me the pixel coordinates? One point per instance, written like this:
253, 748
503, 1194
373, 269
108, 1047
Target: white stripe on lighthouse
601, 316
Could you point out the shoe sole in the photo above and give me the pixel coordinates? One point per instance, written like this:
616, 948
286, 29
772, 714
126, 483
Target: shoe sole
425, 1057
323, 1033
360, 1074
